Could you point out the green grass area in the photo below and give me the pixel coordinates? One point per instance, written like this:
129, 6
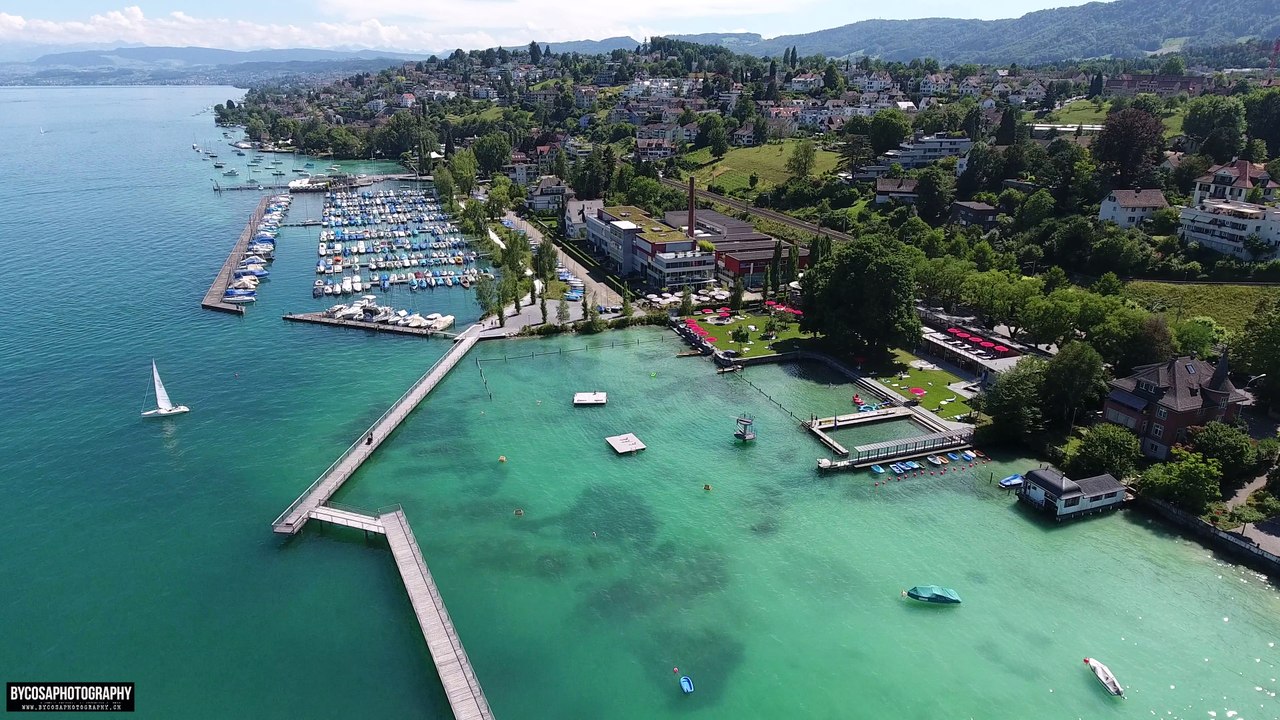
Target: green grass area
788, 339
1083, 112
556, 289
769, 162
493, 112
934, 383
1230, 305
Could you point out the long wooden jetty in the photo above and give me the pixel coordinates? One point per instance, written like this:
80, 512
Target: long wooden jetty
458, 679
213, 298
296, 515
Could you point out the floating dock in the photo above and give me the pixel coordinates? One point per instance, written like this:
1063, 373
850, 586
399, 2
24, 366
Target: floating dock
322, 319
891, 451
590, 398
461, 687
213, 298
861, 418
623, 444
296, 515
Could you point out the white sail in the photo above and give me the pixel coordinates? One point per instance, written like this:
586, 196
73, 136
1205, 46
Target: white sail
162, 397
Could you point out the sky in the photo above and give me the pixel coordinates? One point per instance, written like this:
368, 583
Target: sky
432, 25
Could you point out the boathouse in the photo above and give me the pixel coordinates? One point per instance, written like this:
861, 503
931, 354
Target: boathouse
1063, 498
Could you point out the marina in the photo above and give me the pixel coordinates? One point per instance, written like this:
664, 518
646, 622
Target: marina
325, 319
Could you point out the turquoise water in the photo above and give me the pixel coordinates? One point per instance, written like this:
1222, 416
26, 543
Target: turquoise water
142, 550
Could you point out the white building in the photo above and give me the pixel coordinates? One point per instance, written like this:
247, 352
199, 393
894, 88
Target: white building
1128, 208
928, 149
576, 213
636, 244
1062, 498
1226, 226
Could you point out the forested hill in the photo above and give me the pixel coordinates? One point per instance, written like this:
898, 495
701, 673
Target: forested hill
1123, 28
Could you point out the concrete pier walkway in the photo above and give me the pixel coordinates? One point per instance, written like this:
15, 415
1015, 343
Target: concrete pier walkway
297, 514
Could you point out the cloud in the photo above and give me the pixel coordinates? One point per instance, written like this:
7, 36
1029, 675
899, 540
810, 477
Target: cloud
414, 25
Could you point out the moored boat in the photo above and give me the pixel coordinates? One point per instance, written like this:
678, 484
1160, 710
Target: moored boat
934, 460
1105, 676
877, 469
1011, 481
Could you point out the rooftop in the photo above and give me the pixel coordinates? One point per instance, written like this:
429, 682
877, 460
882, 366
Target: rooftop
1139, 198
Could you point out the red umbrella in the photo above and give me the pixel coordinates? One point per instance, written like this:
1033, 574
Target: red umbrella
770, 303
724, 314
798, 313
1001, 349
710, 339
975, 339
954, 331
706, 311
723, 310
988, 344
960, 333
916, 391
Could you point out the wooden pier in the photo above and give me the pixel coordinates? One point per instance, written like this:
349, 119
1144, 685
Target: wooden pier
819, 426
296, 515
461, 687
322, 319
213, 298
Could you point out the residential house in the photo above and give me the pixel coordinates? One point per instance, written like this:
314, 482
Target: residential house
878, 82
1033, 91
576, 148
522, 173
906, 106
936, 84
405, 100
1160, 402
974, 213
1162, 85
805, 82
927, 149
584, 96
970, 87
1001, 89
688, 133
658, 131
1234, 181
654, 148
1128, 208
576, 213
1245, 230
744, 137
899, 189
550, 193
375, 105
483, 92
1063, 498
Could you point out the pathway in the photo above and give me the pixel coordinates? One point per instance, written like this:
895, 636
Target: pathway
601, 292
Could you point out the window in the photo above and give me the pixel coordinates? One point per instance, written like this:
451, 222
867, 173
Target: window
1157, 431
1145, 386
1109, 495
1161, 413
1072, 502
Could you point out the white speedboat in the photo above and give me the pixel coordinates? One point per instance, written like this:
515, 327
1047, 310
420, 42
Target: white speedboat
1105, 676
163, 405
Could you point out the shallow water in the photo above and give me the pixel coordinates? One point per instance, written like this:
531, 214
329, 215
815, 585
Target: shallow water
142, 550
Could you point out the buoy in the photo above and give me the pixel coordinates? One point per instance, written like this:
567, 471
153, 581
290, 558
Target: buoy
675, 670
502, 458
653, 374
519, 512
706, 487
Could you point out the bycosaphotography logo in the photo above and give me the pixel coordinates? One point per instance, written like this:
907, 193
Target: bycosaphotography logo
69, 696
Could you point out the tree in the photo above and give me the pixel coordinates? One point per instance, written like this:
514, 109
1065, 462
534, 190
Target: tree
686, 301
793, 262
775, 267
1258, 348
800, 162
487, 295
535, 53
1013, 402
1096, 85
444, 185
830, 77
463, 166
1006, 134
560, 165
1128, 338
1108, 284
1198, 335
1192, 166
1129, 144
936, 191
1173, 65
739, 335
1105, 448
562, 312
626, 304
1074, 380
1049, 320
1190, 481
1218, 123
1036, 209
874, 275
1262, 111
1255, 151
888, 129
735, 298
1230, 446
542, 305
718, 141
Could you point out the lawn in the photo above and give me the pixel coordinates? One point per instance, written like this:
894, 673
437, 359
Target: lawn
769, 162
934, 383
1230, 305
556, 289
1082, 112
493, 112
789, 338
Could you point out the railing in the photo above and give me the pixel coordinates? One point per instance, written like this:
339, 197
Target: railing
352, 447
925, 443
472, 681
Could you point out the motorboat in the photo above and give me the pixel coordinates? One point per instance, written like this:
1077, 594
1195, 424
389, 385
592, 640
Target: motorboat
1105, 676
912, 465
240, 299
1013, 481
686, 684
933, 594
231, 173
897, 468
953, 456
877, 469
164, 406
934, 460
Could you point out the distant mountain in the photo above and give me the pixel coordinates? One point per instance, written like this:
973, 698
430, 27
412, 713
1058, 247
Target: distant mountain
1123, 28
589, 47
185, 57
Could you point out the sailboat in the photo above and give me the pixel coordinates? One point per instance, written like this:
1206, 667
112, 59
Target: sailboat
163, 405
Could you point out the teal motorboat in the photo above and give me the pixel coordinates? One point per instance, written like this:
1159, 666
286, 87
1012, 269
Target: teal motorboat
933, 594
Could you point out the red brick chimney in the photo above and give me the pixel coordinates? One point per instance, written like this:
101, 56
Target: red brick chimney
690, 230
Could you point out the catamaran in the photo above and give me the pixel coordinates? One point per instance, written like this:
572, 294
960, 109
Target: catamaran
163, 404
